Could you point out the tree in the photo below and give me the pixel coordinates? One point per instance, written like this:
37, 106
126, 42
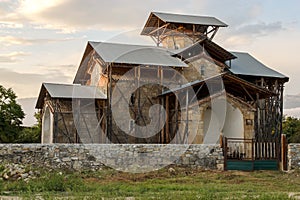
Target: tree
291, 127
31, 134
11, 116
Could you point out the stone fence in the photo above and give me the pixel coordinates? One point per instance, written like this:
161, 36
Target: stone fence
294, 156
96, 156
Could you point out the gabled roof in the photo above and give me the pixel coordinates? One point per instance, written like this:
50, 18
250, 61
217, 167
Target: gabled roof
68, 91
127, 54
136, 54
156, 17
245, 64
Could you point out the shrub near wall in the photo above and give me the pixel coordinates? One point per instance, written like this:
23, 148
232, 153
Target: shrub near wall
80, 157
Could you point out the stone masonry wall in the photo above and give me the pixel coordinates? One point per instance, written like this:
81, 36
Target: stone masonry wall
81, 157
294, 156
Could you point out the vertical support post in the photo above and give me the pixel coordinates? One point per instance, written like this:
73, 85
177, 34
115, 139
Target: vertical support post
187, 116
252, 152
225, 152
138, 117
221, 141
103, 140
160, 79
281, 107
176, 121
167, 120
257, 127
163, 135
109, 117
283, 152
55, 123
157, 35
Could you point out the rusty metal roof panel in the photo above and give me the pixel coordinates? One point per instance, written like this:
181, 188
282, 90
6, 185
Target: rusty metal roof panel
136, 54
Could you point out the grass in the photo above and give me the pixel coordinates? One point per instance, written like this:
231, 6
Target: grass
183, 184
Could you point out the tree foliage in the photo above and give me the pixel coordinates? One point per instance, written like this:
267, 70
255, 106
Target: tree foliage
291, 127
11, 116
31, 134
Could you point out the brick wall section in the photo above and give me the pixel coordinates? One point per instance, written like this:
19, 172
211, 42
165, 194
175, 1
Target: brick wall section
294, 156
80, 157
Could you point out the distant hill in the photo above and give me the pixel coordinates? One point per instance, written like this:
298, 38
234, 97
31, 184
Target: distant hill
291, 101
292, 105
294, 112
28, 106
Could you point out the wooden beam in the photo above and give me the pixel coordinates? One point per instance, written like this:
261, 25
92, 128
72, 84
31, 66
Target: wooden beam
109, 117
247, 92
214, 33
176, 122
186, 134
167, 120
156, 30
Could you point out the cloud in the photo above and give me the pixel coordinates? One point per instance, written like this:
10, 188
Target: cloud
105, 15
71, 15
12, 40
12, 57
292, 101
294, 112
68, 70
259, 29
28, 84
10, 25
248, 33
9, 13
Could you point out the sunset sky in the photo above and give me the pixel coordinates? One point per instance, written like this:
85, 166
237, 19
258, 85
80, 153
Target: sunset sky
43, 40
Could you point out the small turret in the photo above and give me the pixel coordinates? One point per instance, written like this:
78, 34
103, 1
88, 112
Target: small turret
175, 31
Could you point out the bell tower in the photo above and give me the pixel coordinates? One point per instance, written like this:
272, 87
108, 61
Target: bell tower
176, 31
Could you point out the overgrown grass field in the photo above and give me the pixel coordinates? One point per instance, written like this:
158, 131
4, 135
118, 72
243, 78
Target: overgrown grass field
162, 184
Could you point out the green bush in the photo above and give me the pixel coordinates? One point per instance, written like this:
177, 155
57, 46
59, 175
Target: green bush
291, 127
55, 183
2, 168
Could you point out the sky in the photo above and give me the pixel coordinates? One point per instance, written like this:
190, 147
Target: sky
44, 40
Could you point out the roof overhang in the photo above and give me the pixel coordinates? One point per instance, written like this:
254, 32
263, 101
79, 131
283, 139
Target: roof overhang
232, 84
68, 91
205, 46
247, 66
159, 19
128, 55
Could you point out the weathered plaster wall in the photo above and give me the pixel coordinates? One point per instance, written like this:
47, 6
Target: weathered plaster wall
178, 40
248, 115
294, 156
201, 69
79, 157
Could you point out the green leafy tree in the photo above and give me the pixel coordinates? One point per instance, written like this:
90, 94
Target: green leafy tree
11, 116
31, 134
291, 127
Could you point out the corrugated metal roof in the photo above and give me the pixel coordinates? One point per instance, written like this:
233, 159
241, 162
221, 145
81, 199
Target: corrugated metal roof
189, 19
136, 54
68, 91
74, 91
245, 64
211, 47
